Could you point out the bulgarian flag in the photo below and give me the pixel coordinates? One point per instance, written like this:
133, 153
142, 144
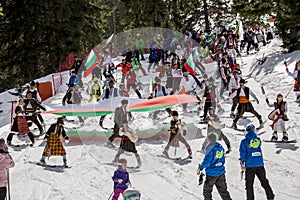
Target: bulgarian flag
190, 65
182, 91
90, 63
239, 30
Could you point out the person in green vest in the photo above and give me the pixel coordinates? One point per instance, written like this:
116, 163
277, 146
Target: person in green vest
139, 43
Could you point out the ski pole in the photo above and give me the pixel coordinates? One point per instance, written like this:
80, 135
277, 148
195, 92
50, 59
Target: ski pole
8, 186
112, 192
289, 92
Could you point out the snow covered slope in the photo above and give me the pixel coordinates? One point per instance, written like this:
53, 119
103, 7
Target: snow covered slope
160, 178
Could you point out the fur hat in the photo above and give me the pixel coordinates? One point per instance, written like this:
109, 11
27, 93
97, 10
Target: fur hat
124, 101
174, 113
2, 143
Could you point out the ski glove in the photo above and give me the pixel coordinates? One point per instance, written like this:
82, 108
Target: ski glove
267, 100
66, 138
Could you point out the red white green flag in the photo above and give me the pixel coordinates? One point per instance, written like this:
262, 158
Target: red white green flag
90, 63
190, 65
239, 30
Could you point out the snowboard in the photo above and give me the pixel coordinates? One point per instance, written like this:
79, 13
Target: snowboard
280, 141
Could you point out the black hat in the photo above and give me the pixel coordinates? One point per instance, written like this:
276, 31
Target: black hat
174, 113
124, 101
32, 83
73, 72
243, 81
60, 120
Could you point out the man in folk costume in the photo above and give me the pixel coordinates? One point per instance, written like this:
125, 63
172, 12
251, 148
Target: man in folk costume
233, 86
209, 97
158, 91
177, 131
121, 117
35, 94
121, 129
296, 76
20, 125
279, 117
177, 75
31, 106
54, 145
243, 93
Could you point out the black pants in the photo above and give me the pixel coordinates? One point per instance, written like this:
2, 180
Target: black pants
3, 191
34, 119
10, 136
260, 172
207, 105
220, 182
115, 133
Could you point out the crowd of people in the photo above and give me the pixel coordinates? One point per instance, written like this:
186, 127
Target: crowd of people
174, 75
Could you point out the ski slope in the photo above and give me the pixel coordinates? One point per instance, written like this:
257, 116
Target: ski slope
160, 178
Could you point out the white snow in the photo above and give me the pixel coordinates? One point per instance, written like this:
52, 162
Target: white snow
159, 178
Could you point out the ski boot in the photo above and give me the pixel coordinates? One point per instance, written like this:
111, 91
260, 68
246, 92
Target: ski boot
275, 136
285, 137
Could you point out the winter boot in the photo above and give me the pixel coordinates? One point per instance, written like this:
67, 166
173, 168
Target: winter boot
234, 126
261, 123
228, 149
285, 136
232, 115
190, 153
65, 161
42, 160
275, 136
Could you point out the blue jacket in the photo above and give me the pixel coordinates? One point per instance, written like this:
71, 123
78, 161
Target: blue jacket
73, 80
214, 160
120, 174
250, 150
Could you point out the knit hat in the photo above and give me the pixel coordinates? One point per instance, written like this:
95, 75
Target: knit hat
122, 161
250, 127
279, 95
2, 143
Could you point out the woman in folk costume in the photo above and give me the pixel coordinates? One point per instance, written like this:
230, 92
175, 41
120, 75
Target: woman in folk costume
20, 125
296, 76
279, 116
54, 145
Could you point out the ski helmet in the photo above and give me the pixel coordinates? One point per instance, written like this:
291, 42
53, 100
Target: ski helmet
250, 127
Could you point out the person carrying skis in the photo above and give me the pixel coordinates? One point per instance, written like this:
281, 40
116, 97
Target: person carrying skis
120, 179
245, 105
280, 118
20, 125
296, 76
54, 145
6, 162
251, 160
213, 164
177, 131
214, 125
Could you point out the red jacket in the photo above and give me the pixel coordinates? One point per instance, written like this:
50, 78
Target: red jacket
125, 67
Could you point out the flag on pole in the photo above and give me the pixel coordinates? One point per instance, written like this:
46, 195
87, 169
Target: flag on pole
239, 30
190, 65
90, 63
